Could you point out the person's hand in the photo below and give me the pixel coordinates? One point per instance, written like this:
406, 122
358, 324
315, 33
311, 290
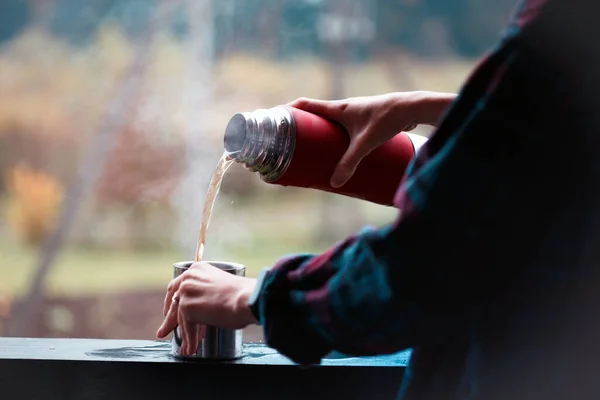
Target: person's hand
205, 295
372, 121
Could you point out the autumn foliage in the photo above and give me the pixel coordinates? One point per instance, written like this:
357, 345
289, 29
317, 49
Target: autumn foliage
140, 168
34, 203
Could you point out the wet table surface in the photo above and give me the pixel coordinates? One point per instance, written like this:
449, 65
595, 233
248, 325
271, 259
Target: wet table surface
95, 369
159, 351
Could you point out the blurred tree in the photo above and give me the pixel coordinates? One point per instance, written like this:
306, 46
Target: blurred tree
269, 24
474, 24
299, 33
287, 26
41, 12
13, 17
47, 144
34, 201
113, 121
139, 171
83, 19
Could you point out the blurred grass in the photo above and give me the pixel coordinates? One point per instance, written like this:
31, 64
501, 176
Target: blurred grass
80, 270
87, 271
273, 227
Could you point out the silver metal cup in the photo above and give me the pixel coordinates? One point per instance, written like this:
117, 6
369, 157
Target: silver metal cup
218, 343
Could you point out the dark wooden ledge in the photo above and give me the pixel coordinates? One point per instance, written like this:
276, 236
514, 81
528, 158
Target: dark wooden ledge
90, 369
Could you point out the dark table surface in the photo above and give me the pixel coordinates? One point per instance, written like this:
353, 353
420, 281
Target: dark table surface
159, 351
114, 369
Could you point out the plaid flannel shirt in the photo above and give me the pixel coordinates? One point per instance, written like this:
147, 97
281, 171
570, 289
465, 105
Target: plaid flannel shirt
490, 273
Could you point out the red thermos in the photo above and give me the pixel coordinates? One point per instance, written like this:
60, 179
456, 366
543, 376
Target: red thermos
291, 147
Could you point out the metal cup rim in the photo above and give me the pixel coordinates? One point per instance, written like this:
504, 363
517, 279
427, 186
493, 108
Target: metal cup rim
223, 265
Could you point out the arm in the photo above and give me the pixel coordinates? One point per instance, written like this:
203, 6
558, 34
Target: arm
429, 106
414, 281
388, 289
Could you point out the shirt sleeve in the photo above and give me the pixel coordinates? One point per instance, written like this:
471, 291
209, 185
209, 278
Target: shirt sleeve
413, 282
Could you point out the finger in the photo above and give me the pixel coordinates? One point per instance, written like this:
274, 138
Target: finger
169, 323
325, 108
171, 289
185, 333
349, 162
194, 330
200, 265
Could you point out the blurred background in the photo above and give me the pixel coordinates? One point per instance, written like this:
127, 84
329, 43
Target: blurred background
112, 114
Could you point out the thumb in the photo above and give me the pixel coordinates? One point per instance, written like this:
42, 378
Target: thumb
325, 108
348, 163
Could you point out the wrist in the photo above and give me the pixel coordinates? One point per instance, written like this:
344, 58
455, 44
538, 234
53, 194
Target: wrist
241, 303
429, 107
